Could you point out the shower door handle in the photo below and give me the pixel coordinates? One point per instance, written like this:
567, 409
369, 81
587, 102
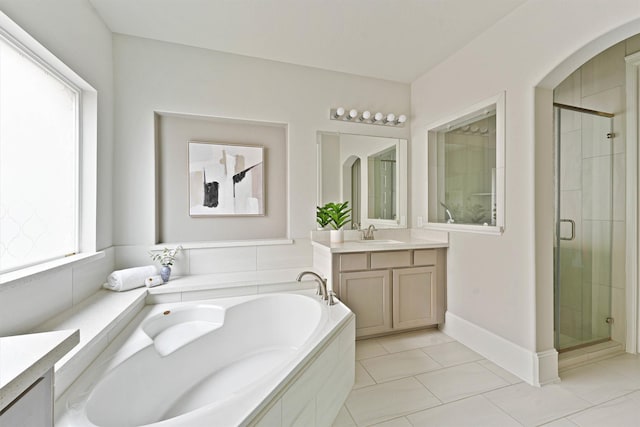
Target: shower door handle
573, 229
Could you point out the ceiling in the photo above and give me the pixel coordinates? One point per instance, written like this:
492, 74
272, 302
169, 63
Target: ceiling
396, 40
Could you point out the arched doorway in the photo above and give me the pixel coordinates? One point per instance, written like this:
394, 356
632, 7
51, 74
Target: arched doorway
625, 289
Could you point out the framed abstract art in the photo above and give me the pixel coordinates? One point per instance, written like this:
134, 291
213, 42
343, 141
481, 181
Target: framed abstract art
226, 179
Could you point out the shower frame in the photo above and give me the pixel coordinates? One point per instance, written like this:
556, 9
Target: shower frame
585, 331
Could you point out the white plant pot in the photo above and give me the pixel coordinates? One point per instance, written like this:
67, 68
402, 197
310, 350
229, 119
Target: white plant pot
337, 236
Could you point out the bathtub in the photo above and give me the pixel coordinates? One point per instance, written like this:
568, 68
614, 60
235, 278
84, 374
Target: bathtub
270, 359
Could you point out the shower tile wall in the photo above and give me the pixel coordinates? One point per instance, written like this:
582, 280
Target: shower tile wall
599, 85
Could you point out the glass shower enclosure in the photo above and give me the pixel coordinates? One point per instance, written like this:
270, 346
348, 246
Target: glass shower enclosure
583, 226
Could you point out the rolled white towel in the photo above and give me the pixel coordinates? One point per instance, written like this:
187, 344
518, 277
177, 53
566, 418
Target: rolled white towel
152, 281
129, 278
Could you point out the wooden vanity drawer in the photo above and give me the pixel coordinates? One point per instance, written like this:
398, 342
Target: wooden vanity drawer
353, 262
424, 257
390, 259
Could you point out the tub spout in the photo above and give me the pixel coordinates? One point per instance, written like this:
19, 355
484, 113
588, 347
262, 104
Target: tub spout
331, 298
322, 283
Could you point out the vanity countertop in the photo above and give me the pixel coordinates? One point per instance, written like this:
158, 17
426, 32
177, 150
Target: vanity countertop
25, 358
379, 245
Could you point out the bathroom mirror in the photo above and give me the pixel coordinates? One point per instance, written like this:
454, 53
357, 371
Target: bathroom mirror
368, 171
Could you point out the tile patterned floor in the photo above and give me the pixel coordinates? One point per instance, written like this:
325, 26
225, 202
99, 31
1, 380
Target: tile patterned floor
425, 378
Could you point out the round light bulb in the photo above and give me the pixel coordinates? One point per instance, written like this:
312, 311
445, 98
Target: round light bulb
366, 115
391, 117
353, 114
339, 112
402, 118
378, 117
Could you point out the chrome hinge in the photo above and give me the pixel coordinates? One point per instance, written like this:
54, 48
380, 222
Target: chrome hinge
609, 320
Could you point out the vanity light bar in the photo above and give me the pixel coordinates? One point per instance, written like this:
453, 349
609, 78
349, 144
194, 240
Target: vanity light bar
353, 115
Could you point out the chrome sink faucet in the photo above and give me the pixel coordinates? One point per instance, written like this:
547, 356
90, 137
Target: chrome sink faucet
322, 283
368, 233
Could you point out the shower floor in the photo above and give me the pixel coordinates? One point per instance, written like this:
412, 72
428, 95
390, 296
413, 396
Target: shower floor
593, 353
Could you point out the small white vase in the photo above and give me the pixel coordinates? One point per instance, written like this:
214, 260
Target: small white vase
337, 236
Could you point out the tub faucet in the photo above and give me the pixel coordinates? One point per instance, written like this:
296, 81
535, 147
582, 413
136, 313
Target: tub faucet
331, 298
448, 212
368, 233
322, 283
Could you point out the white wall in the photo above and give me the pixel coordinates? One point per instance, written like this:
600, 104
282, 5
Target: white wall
329, 149
72, 31
157, 76
496, 282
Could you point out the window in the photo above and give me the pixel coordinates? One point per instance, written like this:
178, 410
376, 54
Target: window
466, 170
40, 154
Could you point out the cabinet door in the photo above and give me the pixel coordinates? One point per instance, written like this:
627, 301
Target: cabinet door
414, 297
368, 295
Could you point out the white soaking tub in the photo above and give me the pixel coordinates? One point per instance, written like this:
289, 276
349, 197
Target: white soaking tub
271, 359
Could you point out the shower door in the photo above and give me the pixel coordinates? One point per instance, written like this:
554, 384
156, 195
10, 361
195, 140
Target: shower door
583, 226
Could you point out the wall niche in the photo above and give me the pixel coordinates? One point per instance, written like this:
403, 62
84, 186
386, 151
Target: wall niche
173, 132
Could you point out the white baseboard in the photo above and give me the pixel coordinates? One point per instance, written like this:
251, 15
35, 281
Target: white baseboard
546, 367
534, 368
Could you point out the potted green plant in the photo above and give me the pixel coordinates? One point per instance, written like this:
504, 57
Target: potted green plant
322, 217
166, 258
338, 216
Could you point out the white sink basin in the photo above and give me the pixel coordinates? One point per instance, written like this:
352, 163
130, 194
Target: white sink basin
377, 241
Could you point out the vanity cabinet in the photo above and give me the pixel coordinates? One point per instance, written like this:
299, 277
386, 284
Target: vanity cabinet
392, 290
33, 408
27, 378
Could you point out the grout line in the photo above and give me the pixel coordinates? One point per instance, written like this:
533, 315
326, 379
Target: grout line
573, 413
471, 395
463, 398
344, 405
398, 418
465, 362
368, 373
595, 405
498, 407
434, 395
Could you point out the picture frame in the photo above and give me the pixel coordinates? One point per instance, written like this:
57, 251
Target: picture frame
225, 179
